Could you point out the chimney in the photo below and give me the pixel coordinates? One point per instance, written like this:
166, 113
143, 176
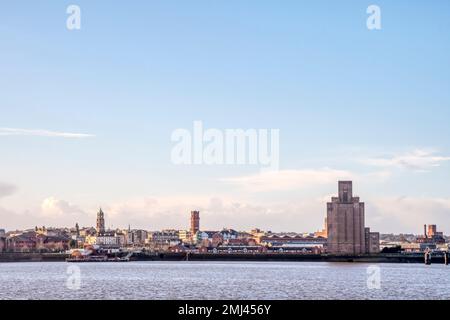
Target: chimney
425, 231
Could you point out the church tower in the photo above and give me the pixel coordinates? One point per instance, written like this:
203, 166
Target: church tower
77, 229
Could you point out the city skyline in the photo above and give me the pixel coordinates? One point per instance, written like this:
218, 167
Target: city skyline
341, 216
87, 115
344, 234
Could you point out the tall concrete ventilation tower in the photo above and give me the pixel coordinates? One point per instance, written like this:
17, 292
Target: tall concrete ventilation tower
100, 222
347, 234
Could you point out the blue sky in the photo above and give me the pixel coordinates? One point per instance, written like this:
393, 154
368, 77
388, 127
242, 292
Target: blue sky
343, 97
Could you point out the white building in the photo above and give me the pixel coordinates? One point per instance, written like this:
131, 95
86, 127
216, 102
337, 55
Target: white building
104, 240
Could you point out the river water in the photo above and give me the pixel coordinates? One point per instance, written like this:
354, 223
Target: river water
223, 280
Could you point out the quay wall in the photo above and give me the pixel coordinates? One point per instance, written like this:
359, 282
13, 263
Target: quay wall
379, 258
238, 257
32, 257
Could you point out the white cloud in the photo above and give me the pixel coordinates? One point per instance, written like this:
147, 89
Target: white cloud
386, 214
41, 133
51, 212
418, 160
52, 207
408, 214
289, 179
216, 213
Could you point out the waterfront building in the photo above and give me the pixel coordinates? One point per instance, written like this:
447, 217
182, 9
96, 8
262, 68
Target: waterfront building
228, 234
121, 238
138, 237
431, 236
135, 237
409, 247
185, 236
346, 224
293, 243
372, 240
84, 232
257, 234
31, 241
210, 234
163, 240
129, 237
416, 247
200, 237
432, 230
244, 235
100, 222
104, 240
52, 243
217, 239
25, 242
79, 240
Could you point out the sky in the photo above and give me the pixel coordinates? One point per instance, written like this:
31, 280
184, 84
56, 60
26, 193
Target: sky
86, 116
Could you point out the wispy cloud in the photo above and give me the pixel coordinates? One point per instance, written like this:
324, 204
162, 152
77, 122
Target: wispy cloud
419, 160
288, 179
42, 133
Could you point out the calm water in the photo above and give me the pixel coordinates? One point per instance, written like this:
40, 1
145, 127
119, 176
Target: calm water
222, 280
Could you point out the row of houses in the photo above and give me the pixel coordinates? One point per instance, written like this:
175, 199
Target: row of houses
58, 240
55, 240
32, 242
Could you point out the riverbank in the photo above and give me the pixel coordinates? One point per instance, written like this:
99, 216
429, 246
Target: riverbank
279, 257
273, 257
33, 257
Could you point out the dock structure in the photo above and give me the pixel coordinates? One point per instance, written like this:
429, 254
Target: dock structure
428, 257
